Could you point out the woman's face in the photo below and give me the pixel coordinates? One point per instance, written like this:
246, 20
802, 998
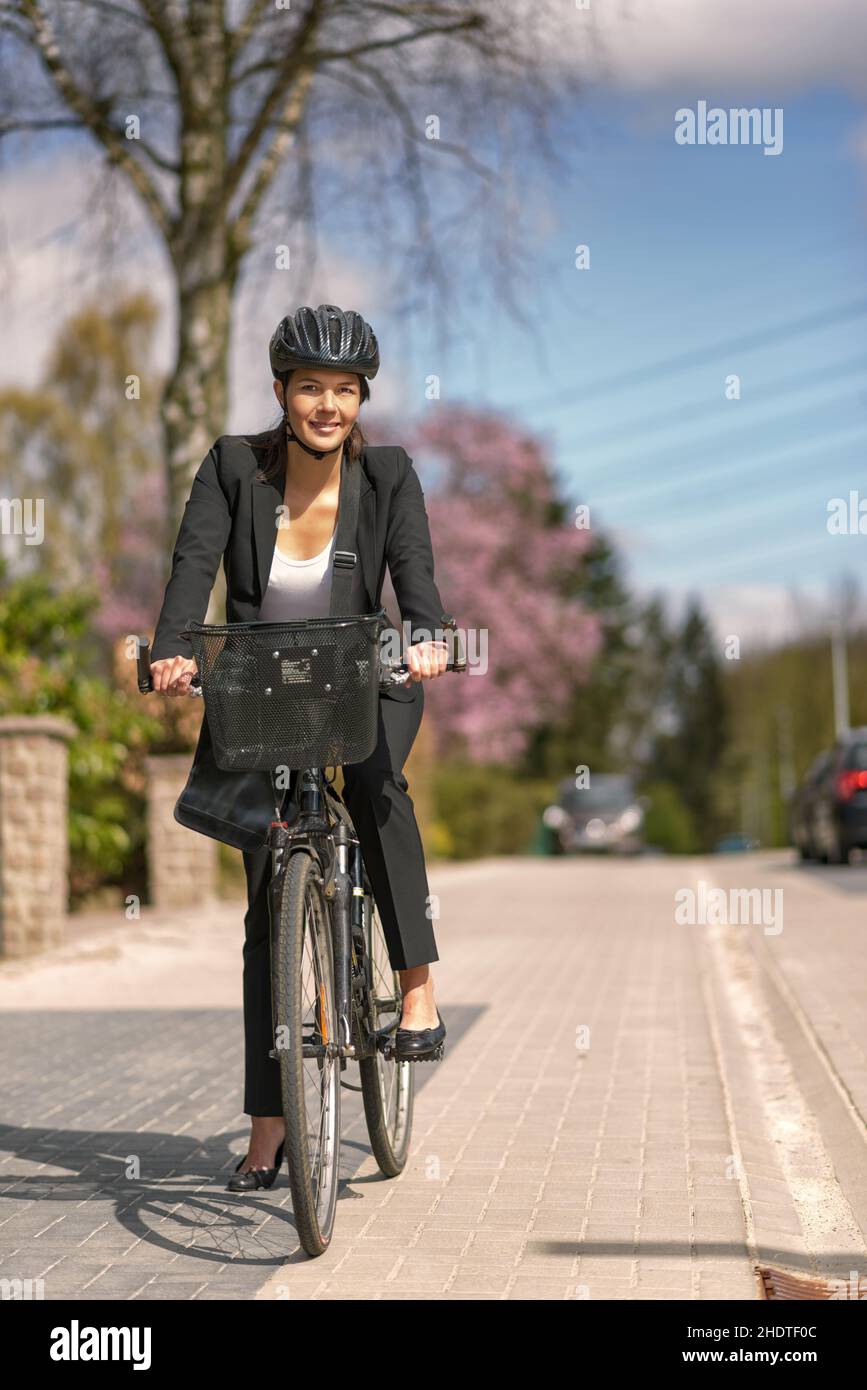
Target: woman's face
322, 405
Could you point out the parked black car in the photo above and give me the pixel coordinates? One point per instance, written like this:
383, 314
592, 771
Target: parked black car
802, 808
607, 815
828, 811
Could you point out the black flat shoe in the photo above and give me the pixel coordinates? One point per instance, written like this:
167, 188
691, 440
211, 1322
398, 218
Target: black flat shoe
255, 1178
420, 1044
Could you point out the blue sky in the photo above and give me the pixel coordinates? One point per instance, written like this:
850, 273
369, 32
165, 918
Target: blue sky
705, 261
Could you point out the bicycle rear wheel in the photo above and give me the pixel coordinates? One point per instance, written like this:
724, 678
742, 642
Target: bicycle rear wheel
305, 1011
387, 1085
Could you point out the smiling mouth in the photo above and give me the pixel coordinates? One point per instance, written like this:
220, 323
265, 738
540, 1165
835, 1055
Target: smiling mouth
324, 428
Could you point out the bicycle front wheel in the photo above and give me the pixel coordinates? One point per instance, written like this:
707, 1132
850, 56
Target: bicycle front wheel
305, 1015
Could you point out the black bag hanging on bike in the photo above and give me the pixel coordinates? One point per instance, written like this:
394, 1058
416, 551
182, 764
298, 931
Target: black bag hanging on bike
237, 807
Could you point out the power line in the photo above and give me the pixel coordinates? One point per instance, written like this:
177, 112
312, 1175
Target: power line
783, 386
747, 513
817, 248
681, 361
799, 547
675, 478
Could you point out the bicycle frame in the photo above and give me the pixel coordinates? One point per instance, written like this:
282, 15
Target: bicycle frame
341, 867
340, 863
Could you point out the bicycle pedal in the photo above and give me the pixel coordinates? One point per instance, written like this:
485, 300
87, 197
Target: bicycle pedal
434, 1056
431, 1056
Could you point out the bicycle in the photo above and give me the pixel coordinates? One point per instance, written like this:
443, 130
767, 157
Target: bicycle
335, 996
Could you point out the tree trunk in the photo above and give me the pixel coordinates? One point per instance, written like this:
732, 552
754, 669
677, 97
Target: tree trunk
196, 395
195, 400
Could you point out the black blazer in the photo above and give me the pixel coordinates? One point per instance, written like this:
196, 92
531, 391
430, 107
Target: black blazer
232, 515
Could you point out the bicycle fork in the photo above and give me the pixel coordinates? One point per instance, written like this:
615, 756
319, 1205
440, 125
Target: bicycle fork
341, 916
343, 889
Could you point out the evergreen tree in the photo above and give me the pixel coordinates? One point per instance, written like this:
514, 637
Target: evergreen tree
690, 752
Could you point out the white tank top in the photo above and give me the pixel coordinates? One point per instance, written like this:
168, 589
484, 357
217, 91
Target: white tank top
302, 588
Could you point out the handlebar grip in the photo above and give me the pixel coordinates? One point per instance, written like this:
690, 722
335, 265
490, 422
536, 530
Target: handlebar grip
143, 662
145, 679
460, 663
400, 668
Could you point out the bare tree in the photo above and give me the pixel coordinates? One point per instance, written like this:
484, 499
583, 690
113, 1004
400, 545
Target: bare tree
200, 104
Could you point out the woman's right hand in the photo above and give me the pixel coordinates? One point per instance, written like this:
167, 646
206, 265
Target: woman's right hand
172, 675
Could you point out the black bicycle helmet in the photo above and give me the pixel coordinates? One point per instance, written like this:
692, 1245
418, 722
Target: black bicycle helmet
325, 337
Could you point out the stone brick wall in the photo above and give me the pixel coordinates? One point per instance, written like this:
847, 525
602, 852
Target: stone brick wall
34, 848
182, 864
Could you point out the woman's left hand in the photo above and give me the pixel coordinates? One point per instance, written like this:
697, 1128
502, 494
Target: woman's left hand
426, 660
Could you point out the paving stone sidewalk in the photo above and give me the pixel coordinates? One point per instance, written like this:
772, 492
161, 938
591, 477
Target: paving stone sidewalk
575, 1142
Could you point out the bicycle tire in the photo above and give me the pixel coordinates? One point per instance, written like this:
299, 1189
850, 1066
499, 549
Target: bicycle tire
313, 1154
387, 1086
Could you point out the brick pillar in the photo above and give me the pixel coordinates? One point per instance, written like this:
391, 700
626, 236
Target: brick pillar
34, 848
182, 864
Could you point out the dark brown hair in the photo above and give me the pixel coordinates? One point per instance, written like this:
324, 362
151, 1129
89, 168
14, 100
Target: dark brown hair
275, 447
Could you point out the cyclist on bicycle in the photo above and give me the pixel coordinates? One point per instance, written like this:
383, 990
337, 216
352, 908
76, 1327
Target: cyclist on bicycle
267, 505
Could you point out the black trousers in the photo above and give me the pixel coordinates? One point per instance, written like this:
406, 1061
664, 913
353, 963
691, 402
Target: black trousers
377, 796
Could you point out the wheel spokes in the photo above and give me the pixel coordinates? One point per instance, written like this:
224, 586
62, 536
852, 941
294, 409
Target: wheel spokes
319, 1071
385, 996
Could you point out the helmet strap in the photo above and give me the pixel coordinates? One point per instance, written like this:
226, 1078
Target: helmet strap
290, 434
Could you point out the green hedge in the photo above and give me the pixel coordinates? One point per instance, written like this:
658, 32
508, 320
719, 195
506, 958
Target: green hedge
50, 664
484, 809
668, 824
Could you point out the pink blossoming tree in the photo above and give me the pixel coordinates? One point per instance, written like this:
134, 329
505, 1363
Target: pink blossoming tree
506, 550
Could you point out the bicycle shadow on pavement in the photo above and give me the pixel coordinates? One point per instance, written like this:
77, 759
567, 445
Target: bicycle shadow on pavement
138, 1197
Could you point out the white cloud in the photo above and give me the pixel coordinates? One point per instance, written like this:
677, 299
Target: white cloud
72, 231
758, 614
776, 45
73, 234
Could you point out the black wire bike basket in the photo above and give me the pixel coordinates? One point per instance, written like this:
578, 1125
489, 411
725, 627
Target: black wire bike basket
290, 694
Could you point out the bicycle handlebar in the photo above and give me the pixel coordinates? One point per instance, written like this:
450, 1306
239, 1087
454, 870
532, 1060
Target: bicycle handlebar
395, 672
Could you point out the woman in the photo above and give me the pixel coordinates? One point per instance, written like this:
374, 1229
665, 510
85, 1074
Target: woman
267, 504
